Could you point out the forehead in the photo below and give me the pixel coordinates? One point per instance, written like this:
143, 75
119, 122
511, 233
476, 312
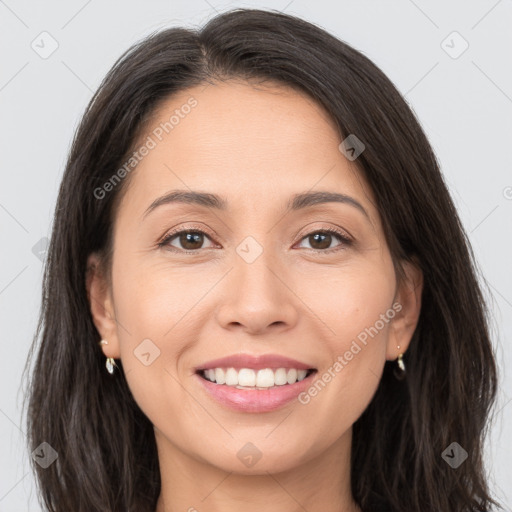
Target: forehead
250, 142
271, 121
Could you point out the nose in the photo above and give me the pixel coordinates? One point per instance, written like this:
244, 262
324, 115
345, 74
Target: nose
258, 297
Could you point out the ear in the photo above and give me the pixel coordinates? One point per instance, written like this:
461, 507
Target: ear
407, 306
102, 306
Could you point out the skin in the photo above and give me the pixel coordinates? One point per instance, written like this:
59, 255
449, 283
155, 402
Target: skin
256, 145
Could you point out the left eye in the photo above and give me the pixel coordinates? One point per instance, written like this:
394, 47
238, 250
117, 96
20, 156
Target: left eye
323, 239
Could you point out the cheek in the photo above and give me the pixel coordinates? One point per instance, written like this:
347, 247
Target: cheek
151, 309
154, 314
151, 299
356, 312
350, 302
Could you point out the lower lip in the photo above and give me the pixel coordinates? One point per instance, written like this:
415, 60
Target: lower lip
255, 400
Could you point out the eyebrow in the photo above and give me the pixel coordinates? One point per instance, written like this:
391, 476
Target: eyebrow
296, 202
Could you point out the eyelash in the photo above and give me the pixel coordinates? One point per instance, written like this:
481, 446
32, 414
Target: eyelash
344, 239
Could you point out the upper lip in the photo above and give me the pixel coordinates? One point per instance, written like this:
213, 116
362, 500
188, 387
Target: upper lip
255, 362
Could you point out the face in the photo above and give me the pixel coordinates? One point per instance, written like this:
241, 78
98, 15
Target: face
270, 267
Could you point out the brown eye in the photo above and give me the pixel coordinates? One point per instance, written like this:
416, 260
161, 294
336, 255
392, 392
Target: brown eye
321, 240
189, 240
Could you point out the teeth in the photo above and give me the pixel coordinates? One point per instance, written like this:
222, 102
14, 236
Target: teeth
291, 376
280, 377
249, 378
231, 377
301, 374
265, 378
218, 375
246, 377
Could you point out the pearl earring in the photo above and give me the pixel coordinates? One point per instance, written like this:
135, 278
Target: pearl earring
110, 363
400, 371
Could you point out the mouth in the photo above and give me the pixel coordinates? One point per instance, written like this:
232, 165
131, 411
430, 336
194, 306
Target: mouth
250, 390
254, 379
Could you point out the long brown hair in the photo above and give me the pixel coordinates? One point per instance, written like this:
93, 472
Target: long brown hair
107, 458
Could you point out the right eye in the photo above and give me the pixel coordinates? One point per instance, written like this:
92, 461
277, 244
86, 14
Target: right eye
189, 239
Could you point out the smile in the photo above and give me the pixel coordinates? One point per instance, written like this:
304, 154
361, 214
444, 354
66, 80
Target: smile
248, 378
251, 397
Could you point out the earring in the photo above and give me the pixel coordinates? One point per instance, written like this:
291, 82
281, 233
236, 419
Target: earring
399, 370
110, 363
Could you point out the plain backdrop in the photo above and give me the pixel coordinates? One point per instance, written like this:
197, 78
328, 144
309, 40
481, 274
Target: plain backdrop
451, 61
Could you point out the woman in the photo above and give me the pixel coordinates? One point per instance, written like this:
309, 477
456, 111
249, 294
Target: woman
258, 292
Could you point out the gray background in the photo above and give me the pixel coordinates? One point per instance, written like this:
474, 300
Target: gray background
463, 100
